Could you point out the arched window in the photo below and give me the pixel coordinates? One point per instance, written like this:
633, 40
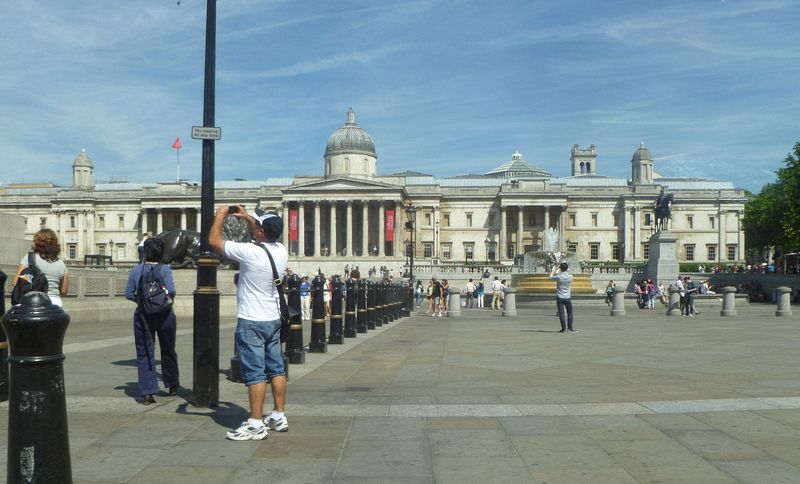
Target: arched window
347, 165
583, 167
588, 167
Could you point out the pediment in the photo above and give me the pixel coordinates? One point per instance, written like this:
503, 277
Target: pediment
340, 184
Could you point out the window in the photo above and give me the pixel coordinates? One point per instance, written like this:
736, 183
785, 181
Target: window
120, 251
121, 221
712, 251
447, 249
446, 220
72, 250
594, 220
101, 221
101, 249
42, 222
510, 251
646, 250
427, 249
732, 252
648, 219
492, 252
689, 251
469, 220
427, 219
712, 221
616, 220
615, 251
572, 247
690, 221
572, 220
72, 223
532, 221
469, 250
347, 164
594, 251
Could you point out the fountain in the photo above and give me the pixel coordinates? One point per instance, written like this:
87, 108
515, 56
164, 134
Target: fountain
538, 264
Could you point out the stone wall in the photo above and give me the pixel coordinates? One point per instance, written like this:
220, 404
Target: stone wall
13, 244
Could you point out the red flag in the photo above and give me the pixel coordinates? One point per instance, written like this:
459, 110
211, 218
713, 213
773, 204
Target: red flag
177, 144
293, 219
389, 225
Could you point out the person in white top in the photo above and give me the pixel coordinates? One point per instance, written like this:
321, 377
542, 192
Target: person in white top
46, 250
258, 313
563, 295
682, 291
470, 289
497, 293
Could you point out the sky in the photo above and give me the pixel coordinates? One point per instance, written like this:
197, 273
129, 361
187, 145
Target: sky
445, 87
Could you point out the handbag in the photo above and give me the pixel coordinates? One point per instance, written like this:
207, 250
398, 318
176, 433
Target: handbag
287, 312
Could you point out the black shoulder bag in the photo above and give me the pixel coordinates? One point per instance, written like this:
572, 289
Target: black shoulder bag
287, 312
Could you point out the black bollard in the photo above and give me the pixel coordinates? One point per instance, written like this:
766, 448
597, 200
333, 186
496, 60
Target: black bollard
318, 343
381, 307
363, 311
407, 293
336, 337
38, 439
3, 342
294, 340
391, 303
350, 309
372, 305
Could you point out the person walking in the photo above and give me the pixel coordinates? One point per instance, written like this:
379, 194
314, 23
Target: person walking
418, 293
444, 304
497, 293
609, 293
682, 292
305, 297
469, 288
258, 328
45, 250
691, 291
563, 280
147, 327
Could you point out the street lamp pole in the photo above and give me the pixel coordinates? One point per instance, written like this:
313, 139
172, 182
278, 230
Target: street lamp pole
411, 212
206, 296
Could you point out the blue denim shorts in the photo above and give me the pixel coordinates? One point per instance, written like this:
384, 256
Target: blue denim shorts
259, 347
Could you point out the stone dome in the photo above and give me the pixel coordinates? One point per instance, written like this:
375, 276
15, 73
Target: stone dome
641, 153
83, 160
350, 139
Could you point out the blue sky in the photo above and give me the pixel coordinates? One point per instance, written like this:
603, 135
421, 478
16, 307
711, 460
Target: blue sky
444, 87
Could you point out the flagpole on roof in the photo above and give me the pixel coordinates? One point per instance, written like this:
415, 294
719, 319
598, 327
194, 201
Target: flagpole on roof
177, 146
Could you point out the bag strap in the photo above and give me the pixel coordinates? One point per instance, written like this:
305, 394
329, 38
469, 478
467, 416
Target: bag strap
31, 259
277, 280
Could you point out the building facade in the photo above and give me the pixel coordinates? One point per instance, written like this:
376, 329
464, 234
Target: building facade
353, 215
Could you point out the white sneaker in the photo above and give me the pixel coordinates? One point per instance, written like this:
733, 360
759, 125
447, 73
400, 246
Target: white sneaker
246, 432
277, 424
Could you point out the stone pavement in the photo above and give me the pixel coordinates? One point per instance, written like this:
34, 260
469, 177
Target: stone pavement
479, 398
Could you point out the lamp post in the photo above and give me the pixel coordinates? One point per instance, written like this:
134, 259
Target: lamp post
486, 248
205, 362
411, 214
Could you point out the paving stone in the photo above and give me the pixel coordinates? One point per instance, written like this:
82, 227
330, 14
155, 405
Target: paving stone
385, 459
184, 474
294, 471
716, 445
483, 444
760, 471
400, 429
749, 427
460, 469
96, 463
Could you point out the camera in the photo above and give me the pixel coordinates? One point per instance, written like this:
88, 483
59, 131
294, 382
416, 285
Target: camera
233, 209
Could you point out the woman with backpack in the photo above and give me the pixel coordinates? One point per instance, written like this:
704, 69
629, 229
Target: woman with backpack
151, 287
44, 255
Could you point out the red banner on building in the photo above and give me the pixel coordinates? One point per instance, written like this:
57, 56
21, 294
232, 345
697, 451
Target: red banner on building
389, 225
293, 225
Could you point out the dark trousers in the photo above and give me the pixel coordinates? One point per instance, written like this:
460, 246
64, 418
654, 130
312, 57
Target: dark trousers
564, 304
144, 333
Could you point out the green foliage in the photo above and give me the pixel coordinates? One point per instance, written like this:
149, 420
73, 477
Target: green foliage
687, 267
772, 217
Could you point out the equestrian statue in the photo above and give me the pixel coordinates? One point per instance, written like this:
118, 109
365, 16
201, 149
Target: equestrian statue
663, 210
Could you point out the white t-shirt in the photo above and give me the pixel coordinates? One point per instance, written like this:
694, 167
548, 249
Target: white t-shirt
54, 271
257, 297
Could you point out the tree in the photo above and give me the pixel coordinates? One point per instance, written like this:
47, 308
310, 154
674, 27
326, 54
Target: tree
789, 178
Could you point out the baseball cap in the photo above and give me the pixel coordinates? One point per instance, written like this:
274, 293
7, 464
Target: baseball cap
270, 222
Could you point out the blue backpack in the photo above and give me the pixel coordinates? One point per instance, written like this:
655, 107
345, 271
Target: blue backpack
152, 295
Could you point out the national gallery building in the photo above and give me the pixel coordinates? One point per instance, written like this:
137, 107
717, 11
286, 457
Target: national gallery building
354, 215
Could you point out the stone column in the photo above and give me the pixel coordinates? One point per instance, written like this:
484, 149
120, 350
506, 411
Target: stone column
348, 238
502, 242
636, 235
618, 302
198, 215
398, 246
301, 229
562, 233
739, 236
183, 219
81, 234
145, 222
285, 215
436, 228
784, 295
90, 248
333, 229
728, 301
159, 220
626, 234
520, 224
381, 228
546, 223
510, 301
62, 234
674, 308
723, 250
364, 228
317, 228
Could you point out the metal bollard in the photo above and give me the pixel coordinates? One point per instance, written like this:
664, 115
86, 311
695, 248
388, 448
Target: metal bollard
38, 438
728, 301
350, 309
408, 305
363, 311
618, 302
674, 308
784, 301
318, 343
388, 301
294, 341
3, 342
372, 305
509, 301
336, 337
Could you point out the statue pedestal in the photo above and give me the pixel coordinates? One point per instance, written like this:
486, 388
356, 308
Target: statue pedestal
662, 265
